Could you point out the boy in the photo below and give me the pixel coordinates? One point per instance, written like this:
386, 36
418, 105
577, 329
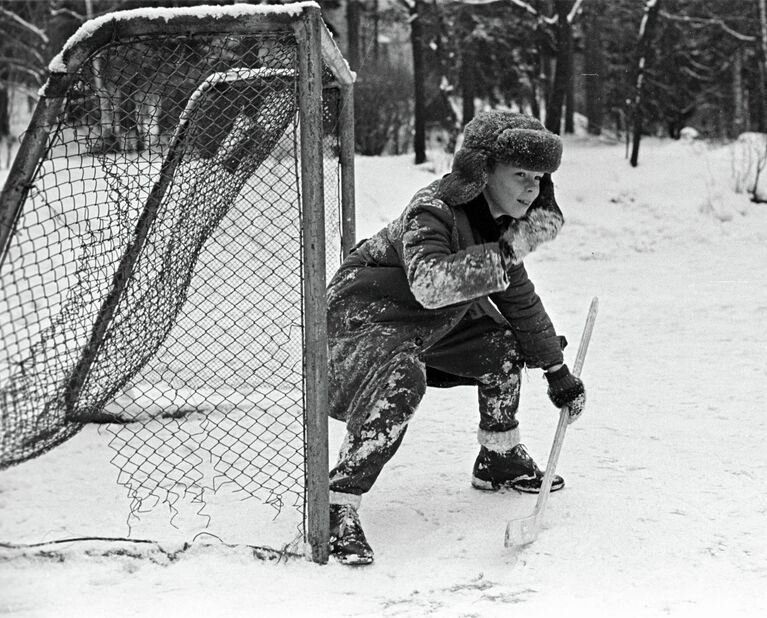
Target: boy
440, 297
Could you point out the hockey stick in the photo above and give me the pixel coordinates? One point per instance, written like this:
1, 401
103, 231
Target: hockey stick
525, 530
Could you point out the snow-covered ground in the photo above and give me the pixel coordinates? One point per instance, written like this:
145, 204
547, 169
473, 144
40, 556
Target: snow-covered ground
666, 501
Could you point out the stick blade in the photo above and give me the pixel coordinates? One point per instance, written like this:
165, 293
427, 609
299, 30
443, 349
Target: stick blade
520, 532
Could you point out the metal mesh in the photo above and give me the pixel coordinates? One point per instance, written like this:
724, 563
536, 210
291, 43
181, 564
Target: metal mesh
153, 279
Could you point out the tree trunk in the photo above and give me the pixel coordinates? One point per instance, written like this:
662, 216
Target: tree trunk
562, 70
738, 116
541, 85
5, 114
376, 33
109, 125
542, 80
353, 33
148, 111
763, 66
535, 109
570, 97
594, 66
467, 87
5, 126
419, 74
646, 32
465, 29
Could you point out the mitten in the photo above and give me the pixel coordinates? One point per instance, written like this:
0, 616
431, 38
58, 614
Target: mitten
522, 236
565, 389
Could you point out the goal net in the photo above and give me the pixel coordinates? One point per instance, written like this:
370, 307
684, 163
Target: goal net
165, 235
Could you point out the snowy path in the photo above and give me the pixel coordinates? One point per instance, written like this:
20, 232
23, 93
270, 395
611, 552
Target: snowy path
665, 507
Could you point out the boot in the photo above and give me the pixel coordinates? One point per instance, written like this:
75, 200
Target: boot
514, 469
347, 540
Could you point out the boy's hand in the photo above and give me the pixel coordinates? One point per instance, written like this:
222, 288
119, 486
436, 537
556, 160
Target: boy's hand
519, 237
565, 389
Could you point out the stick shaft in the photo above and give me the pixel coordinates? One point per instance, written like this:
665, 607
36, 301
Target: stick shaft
586, 337
564, 413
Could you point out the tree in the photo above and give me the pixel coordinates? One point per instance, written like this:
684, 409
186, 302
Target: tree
646, 32
704, 63
468, 63
488, 51
417, 10
564, 63
353, 54
763, 64
594, 65
23, 55
22, 58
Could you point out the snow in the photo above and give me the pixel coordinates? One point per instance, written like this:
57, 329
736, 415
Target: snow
664, 509
749, 163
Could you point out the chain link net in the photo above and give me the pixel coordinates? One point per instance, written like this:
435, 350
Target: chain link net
153, 281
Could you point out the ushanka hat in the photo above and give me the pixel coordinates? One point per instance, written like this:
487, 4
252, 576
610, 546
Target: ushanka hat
499, 137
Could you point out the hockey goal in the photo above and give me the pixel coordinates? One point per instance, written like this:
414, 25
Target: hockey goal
166, 229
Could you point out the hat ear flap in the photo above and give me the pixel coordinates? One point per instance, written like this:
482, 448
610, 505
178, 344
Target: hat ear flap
546, 199
468, 178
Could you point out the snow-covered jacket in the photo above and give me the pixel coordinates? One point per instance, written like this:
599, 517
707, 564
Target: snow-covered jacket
404, 289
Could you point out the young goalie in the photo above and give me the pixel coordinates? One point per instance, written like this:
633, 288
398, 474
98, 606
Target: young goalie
441, 297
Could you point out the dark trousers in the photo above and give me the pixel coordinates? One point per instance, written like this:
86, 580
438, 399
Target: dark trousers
478, 351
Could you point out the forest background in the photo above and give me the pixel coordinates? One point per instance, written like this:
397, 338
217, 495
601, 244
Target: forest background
623, 68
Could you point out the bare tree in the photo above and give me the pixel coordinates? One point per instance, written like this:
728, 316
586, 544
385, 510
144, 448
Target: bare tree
468, 69
353, 54
22, 62
22, 48
570, 92
646, 32
738, 117
594, 66
763, 64
415, 11
711, 65
563, 70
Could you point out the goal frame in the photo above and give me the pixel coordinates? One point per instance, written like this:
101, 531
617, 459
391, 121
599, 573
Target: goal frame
315, 47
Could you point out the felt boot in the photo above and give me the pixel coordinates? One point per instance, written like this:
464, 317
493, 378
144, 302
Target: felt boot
347, 540
514, 468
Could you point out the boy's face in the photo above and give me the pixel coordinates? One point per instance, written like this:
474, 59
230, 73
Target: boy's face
510, 190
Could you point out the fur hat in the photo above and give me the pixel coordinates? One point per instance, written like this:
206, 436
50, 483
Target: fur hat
503, 137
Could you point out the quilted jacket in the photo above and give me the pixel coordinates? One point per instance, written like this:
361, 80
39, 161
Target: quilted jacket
402, 290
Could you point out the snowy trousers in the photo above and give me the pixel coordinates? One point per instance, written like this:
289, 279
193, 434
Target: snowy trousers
478, 351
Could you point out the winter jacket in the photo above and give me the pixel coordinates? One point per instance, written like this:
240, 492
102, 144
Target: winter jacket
402, 290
